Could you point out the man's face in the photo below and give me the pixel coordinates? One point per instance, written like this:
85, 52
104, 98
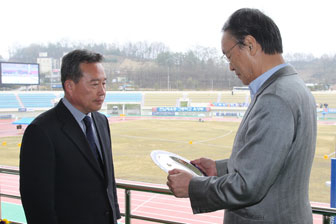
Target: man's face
89, 93
238, 58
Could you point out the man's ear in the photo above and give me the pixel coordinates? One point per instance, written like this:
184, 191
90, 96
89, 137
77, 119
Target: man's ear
252, 44
69, 86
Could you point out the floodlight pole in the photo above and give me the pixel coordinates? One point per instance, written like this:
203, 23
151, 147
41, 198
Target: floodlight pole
168, 78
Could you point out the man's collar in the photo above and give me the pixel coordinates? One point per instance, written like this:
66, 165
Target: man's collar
78, 115
258, 82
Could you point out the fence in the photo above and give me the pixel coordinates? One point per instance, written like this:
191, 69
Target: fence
327, 213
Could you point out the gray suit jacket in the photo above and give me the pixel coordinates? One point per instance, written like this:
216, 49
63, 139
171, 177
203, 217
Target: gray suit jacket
266, 178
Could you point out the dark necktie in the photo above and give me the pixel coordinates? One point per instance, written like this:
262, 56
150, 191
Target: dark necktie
89, 136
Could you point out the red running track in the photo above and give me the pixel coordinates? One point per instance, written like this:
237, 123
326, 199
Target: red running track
144, 204
9, 129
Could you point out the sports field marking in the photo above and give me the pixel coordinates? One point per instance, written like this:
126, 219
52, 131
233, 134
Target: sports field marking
210, 139
179, 141
331, 154
145, 202
320, 157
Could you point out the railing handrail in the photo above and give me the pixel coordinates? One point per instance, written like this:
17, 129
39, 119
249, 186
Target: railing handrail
9, 171
139, 187
326, 212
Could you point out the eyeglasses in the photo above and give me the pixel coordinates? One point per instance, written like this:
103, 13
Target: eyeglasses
225, 57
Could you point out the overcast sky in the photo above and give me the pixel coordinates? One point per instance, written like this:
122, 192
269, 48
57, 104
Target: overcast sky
306, 26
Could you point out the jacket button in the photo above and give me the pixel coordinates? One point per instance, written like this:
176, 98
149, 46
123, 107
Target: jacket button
107, 212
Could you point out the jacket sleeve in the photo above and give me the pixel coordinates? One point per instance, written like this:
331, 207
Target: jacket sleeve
221, 166
256, 163
37, 176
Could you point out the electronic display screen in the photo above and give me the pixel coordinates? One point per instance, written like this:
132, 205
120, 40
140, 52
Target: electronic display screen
19, 73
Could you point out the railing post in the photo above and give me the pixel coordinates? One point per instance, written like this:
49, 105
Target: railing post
128, 206
326, 219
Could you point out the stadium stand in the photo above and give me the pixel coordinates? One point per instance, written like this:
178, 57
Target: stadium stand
8, 100
123, 97
14, 100
37, 100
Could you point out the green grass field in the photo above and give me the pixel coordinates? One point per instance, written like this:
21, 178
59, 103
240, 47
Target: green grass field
134, 140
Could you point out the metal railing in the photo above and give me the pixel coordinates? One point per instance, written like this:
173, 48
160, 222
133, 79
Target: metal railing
327, 213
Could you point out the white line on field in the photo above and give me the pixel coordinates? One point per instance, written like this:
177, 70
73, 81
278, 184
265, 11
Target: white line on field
210, 139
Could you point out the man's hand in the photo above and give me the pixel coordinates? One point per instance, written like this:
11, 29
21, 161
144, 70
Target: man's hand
178, 182
208, 166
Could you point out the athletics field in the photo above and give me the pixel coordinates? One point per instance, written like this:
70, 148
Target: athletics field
133, 138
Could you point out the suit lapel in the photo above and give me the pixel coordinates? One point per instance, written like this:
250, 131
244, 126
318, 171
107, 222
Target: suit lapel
74, 132
103, 140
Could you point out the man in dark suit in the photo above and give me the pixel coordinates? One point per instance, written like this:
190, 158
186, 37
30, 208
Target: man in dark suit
266, 178
66, 167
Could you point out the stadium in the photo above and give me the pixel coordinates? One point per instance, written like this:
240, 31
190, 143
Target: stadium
173, 73
189, 123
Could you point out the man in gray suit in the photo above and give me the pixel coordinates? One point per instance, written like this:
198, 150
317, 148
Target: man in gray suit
266, 178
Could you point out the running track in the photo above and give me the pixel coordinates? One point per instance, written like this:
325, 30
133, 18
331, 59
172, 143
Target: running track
145, 204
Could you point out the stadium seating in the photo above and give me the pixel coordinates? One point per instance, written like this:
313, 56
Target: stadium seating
37, 100
8, 100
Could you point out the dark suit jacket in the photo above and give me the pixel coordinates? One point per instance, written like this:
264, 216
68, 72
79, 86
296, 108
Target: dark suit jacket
266, 178
60, 179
